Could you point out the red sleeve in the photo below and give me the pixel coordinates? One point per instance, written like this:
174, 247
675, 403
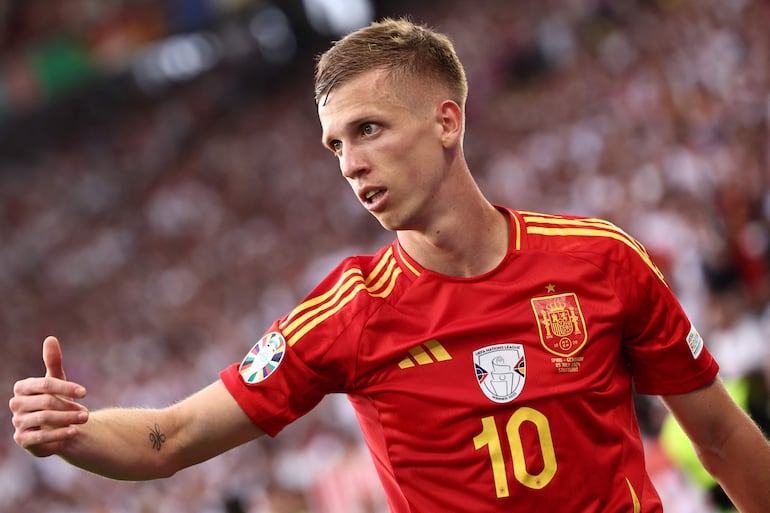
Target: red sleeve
275, 399
309, 353
664, 350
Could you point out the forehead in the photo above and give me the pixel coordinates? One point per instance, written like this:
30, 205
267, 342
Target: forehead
367, 94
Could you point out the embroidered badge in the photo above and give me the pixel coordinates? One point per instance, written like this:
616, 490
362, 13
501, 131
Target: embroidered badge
263, 359
560, 323
695, 342
500, 371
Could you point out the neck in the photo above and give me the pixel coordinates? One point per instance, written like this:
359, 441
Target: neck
463, 243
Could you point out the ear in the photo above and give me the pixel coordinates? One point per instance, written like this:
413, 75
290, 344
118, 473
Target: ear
451, 119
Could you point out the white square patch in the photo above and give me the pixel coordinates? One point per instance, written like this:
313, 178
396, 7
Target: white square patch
695, 342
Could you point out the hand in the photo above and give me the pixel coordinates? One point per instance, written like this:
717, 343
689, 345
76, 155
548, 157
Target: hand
44, 409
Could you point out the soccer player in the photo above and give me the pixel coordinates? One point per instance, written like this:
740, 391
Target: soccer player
489, 353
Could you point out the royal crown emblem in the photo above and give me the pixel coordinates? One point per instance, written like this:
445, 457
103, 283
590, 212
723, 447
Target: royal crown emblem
560, 323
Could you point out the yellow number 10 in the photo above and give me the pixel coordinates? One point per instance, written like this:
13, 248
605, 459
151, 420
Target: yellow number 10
490, 438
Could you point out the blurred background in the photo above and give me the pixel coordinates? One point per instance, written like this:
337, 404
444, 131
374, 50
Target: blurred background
164, 196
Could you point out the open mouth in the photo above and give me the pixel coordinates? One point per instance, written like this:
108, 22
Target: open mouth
372, 195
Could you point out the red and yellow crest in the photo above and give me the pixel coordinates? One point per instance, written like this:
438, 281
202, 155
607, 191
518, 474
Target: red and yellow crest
560, 323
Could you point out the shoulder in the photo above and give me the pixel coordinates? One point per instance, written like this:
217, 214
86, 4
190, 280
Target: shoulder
371, 273
560, 230
358, 284
599, 240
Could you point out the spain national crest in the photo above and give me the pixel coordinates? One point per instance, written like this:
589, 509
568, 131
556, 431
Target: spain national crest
560, 323
500, 370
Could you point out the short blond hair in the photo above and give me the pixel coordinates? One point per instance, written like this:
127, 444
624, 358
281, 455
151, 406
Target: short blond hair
398, 46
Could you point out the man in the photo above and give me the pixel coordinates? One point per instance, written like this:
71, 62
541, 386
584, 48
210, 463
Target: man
489, 353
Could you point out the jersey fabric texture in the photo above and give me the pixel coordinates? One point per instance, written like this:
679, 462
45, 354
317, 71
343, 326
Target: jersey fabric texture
510, 391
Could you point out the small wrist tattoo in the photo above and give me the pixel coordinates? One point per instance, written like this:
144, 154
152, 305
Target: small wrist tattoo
157, 438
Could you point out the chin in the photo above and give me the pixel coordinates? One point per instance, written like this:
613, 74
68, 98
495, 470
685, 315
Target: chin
388, 223
393, 222
388, 226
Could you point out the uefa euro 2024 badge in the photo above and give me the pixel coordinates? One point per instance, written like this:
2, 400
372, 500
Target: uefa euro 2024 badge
263, 359
501, 371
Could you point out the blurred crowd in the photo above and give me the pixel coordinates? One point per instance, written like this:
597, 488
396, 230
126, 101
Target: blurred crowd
158, 240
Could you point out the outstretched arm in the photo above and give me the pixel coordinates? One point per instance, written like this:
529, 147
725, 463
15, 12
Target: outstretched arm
123, 443
139, 444
728, 443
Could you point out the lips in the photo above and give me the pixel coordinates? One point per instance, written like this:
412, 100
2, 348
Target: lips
370, 195
373, 197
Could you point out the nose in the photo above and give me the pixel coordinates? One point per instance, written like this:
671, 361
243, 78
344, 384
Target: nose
353, 162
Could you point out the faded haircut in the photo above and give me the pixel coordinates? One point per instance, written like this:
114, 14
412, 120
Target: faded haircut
398, 46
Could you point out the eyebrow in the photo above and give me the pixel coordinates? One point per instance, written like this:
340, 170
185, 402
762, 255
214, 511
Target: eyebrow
355, 122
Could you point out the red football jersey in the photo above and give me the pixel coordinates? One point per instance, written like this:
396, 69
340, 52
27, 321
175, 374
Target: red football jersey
509, 391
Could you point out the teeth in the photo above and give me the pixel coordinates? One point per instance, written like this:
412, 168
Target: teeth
371, 194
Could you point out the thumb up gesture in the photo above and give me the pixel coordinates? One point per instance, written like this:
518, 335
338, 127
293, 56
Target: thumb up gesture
45, 409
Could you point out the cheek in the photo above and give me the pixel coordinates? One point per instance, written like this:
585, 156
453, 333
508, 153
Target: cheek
417, 150
425, 161
414, 155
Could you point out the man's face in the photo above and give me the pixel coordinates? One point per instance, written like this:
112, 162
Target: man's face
387, 139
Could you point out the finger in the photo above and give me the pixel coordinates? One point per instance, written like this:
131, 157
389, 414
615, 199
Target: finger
52, 357
44, 442
20, 404
45, 386
48, 420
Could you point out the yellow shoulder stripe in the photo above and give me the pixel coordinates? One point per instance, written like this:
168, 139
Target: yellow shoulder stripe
315, 310
555, 226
